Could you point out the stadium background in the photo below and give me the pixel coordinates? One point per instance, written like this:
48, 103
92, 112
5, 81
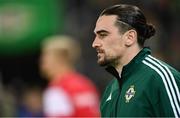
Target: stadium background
24, 24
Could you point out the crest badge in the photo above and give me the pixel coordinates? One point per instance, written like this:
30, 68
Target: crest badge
130, 93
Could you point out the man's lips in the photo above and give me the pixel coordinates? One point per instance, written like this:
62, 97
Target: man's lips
98, 55
99, 51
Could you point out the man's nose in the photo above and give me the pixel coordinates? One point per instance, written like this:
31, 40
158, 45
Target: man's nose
95, 43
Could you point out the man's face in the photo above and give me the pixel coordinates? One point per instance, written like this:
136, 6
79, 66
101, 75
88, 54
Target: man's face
109, 42
47, 62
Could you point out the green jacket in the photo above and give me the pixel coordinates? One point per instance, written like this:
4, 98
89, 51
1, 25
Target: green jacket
147, 88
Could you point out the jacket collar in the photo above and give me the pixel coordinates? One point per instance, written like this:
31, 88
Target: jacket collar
128, 69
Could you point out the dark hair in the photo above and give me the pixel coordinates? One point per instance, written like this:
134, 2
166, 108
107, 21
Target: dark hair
131, 17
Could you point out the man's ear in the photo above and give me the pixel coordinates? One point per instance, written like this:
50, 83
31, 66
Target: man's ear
131, 37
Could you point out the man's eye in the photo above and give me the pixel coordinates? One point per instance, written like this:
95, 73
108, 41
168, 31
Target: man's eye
102, 35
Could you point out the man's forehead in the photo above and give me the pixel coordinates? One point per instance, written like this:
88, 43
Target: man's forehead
105, 22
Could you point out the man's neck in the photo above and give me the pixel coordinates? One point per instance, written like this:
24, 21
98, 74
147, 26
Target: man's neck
128, 56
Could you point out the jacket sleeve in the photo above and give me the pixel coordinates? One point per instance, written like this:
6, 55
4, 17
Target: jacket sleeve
167, 94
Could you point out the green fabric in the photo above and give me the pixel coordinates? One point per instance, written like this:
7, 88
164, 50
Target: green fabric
142, 92
24, 23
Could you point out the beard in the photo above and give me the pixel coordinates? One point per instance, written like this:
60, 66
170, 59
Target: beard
106, 60
104, 63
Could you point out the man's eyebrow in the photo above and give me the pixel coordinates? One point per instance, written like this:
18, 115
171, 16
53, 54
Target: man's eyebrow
101, 31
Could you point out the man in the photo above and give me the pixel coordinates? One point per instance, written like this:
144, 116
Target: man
143, 85
69, 94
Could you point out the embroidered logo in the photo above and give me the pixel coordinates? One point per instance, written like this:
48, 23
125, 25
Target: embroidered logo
109, 98
130, 93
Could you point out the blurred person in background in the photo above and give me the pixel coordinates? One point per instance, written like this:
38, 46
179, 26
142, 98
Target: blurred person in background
69, 94
31, 103
143, 86
7, 101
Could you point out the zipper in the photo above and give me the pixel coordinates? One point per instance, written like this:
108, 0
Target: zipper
119, 94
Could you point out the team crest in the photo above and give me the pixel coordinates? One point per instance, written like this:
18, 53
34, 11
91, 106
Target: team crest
130, 93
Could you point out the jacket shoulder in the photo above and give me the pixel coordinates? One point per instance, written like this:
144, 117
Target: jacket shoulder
161, 74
